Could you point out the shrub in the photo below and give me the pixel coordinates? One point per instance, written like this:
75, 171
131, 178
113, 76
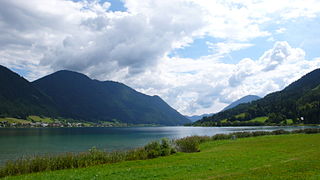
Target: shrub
241, 134
260, 133
280, 131
153, 149
307, 131
166, 148
220, 137
188, 144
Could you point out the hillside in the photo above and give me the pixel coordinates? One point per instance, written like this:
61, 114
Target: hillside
299, 99
80, 97
245, 99
19, 98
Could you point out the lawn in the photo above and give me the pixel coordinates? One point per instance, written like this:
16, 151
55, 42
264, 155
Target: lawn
294, 156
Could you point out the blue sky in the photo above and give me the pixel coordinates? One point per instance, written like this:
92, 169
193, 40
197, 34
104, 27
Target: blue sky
197, 55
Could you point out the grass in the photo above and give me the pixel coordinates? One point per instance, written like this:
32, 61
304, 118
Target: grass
289, 121
40, 119
242, 115
15, 120
259, 119
29, 119
224, 121
294, 156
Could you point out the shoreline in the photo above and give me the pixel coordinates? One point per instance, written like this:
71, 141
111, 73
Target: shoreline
150, 151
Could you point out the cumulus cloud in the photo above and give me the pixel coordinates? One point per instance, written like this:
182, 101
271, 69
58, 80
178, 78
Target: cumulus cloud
197, 86
134, 46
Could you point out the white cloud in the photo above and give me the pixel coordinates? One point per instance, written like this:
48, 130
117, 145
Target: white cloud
221, 49
281, 30
196, 86
132, 47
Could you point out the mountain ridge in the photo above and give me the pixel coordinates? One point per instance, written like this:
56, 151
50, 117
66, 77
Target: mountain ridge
72, 95
80, 97
20, 98
245, 99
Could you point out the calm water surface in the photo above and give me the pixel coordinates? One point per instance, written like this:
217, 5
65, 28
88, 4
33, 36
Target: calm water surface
16, 143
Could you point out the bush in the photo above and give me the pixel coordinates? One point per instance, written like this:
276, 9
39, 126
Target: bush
153, 149
191, 143
260, 133
280, 131
166, 148
307, 131
220, 137
241, 134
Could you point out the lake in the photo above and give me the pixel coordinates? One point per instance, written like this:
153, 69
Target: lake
18, 142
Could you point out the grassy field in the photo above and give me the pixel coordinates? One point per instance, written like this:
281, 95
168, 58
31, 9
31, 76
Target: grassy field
40, 119
28, 120
294, 156
15, 120
259, 119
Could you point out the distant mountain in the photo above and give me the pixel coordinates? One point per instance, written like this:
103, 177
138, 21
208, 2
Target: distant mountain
79, 97
245, 99
198, 117
299, 99
19, 98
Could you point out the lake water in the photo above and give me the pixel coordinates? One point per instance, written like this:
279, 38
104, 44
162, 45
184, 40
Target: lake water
20, 142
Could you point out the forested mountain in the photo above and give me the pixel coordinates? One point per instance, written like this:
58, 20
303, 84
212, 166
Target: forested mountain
19, 98
79, 97
299, 102
245, 99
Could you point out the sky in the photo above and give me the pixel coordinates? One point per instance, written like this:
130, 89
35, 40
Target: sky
198, 55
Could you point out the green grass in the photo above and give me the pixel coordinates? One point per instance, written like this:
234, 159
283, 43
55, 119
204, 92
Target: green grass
28, 120
40, 119
294, 156
289, 121
224, 120
15, 120
259, 119
242, 115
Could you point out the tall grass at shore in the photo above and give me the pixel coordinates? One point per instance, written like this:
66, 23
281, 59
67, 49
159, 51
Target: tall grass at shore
154, 149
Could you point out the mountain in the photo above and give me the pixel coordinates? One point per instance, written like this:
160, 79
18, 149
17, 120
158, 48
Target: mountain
19, 98
245, 99
198, 117
79, 97
300, 102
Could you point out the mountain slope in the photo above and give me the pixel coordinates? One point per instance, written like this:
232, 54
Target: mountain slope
19, 98
198, 117
245, 99
80, 97
299, 99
